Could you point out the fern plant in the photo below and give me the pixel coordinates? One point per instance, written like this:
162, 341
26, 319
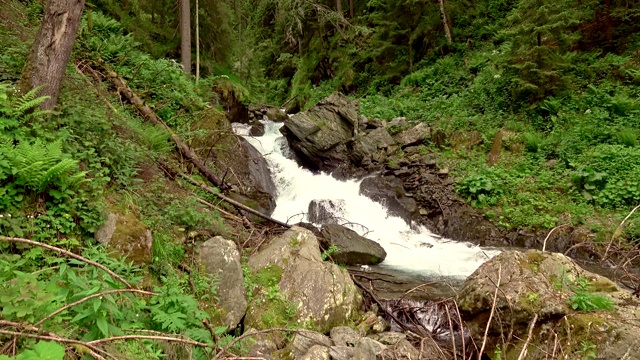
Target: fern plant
38, 166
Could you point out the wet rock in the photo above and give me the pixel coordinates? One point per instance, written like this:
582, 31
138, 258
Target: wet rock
344, 335
323, 294
389, 191
353, 249
412, 136
276, 115
221, 259
319, 136
326, 211
257, 129
303, 340
127, 235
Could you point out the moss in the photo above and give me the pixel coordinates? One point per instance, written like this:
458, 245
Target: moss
532, 260
602, 286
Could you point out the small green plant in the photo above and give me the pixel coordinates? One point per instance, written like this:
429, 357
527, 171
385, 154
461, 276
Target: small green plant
584, 300
533, 297
497, 353
587, 351
479, 189
42, 350
333, 249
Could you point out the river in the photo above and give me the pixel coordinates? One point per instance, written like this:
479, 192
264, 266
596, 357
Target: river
412, 249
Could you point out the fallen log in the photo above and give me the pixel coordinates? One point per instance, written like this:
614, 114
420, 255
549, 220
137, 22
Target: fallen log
150, 115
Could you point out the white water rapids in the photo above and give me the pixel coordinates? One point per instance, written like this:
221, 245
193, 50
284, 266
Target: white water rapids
415, 250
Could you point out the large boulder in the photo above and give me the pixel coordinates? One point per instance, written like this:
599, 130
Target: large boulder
389, 191
319, 135
241, 165
221, 259
366, 147
320, 294
353, 249
553, 291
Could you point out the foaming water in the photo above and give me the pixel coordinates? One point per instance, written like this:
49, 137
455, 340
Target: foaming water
414, 250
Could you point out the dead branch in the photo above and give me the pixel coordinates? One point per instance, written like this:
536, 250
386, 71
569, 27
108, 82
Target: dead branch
150, 115
100, 294
69, 254
618, 231
233, 202
152, 337
493, 309
544, 243
523, 352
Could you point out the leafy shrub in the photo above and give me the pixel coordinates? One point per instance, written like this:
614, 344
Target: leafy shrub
482, 190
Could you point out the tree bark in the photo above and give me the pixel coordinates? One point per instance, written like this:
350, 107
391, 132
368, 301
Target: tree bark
51, 49
352, 9
339, 6
197, 42
445, 21
185, 35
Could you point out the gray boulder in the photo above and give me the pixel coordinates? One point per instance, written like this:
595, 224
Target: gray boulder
321, 293
353, 249
344, 335
543, 285
413, 136
367, 146
303, 340
319, 135
125, 234
326, 211
221, 259
316, 352
389, 191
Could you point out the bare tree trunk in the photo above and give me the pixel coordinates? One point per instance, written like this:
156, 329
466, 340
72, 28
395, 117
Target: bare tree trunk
185, 35
352, 9
197, 42
51, 49
339, 6
445, 21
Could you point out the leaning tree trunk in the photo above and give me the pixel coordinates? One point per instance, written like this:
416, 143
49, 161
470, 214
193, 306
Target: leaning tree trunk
51, 49
339, 6
185, 35
445, 21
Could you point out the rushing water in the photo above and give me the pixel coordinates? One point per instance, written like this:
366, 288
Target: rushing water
414, 250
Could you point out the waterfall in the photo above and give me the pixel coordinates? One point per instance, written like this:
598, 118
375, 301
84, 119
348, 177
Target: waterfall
412, 249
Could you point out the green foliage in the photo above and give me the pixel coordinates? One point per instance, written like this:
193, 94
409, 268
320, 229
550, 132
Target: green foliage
42, 350
332, 249
584, 300
481, 190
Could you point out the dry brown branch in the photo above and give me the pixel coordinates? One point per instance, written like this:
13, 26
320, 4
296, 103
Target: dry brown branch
94, 351
100, 294
226, 214
69, 254
232, 202
151, 337
618, 231
532, 324
544, 243
493, 309
150, 115
453, 338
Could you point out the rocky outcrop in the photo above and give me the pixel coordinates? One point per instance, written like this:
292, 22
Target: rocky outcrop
353, 249
326, 211
389, 191
319, 136
239, 163
412, 136
320, 293
221, 259
127, 235
556, 293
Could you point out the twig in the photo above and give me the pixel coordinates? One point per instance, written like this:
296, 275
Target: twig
233, 202
523, 353
151, 337
544, 243
94, 351
493, 309
453, 338
227, 214
69, 254
104, 293
618, 231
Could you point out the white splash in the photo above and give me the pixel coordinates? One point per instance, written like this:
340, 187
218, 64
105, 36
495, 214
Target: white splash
411, 250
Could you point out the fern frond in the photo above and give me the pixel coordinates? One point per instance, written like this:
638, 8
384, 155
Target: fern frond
28, 101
